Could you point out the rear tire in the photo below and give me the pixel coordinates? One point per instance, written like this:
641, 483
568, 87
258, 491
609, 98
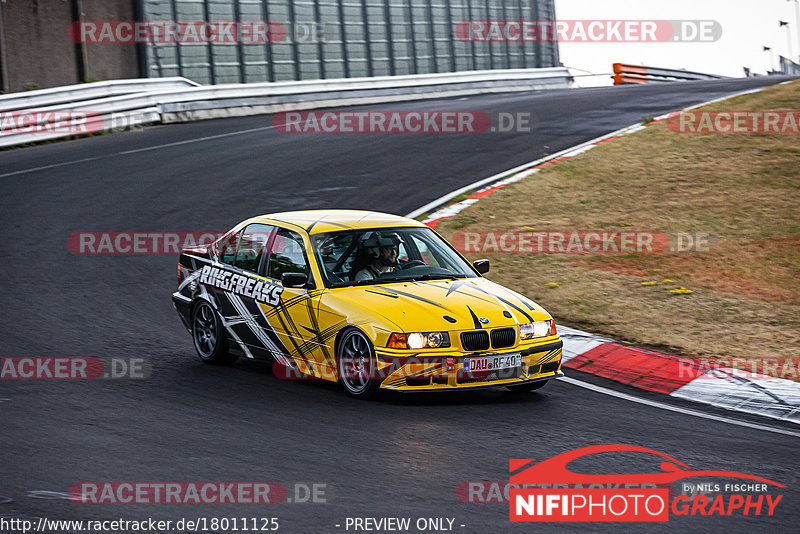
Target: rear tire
210, 338
357, 364
521, 389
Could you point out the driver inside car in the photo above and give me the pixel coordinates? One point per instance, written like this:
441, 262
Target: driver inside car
381, 249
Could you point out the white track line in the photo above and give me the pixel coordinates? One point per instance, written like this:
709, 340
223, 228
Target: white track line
505, 174
196, 140
134, 151
430, 206
663, 406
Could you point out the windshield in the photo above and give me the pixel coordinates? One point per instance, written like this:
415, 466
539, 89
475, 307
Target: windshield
374, 256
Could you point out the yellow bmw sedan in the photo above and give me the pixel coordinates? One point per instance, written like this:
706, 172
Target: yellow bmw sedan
370, 300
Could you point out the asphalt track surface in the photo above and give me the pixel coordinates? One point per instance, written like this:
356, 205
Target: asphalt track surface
399, 456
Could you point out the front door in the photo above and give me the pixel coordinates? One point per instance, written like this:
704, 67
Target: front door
295, 318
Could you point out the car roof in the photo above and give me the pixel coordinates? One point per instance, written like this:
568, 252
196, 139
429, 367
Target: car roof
321, 221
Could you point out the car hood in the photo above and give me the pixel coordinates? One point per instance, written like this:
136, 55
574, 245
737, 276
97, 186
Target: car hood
467, 304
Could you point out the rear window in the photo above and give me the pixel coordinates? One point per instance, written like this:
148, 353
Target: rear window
286, 254
227, 248
251, 246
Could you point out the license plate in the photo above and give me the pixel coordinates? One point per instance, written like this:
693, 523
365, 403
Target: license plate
492, 363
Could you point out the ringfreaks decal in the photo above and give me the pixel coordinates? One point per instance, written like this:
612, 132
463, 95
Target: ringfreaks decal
241, 284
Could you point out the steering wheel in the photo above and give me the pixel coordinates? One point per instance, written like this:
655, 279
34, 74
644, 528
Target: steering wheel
411, 263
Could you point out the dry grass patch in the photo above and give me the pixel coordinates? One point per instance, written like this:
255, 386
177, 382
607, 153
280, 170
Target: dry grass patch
744, 189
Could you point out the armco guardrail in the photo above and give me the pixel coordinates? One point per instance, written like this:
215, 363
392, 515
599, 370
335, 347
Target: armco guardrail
87, 91
248, 99
167, 103
789, 67
638, 74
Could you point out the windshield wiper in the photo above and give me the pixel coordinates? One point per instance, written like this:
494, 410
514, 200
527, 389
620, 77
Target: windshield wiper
423, 277
370, 282
426, 277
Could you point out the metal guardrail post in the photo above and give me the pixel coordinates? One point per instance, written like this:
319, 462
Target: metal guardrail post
507, 45
434, 56
237, 16
209, 50
141, 48
448, 9
79, 47
539, 42
412, 40
3, 68
343, 37
178, 58
270, 64
367, 39
320, 27
387, 18
295, 45
488, 45
473, 57
524, 48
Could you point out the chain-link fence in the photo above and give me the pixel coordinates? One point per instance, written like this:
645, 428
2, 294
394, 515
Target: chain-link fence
346, 39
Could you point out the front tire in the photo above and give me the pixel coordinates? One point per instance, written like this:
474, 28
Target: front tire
357, 364
208, 333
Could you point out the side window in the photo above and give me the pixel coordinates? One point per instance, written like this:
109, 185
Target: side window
227, 247
286, 254
252, 242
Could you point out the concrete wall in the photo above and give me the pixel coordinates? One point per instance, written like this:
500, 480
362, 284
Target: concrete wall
358, 38
110, 61
36, 51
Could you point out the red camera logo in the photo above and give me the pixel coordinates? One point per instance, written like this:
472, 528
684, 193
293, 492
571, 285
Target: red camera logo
549, 491
590, 505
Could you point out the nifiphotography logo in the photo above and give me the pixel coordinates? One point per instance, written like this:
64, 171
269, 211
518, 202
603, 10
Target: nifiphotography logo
549, 491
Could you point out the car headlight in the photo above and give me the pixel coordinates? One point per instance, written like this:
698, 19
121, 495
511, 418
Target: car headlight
537, 329
416, 341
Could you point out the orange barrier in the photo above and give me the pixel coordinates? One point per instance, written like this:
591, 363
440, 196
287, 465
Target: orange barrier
637, 74
627, 79
621, 68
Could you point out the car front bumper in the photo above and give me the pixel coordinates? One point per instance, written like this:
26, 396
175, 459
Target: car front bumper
445, 371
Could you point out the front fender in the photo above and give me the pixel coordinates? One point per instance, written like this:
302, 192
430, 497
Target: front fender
336, 310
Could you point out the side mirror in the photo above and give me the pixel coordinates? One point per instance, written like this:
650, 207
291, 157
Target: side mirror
482, 266
294, 279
